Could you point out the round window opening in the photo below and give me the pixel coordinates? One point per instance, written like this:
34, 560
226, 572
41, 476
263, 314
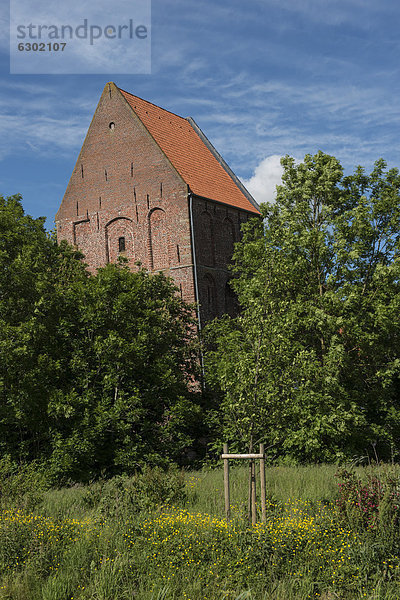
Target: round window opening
112, 125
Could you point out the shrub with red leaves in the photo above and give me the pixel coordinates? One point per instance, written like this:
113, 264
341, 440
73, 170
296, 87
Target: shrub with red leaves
371, 502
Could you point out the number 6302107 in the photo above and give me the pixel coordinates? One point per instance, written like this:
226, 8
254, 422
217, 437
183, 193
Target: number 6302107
42, 46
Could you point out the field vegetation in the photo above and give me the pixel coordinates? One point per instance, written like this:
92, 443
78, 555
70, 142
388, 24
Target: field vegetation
162, 535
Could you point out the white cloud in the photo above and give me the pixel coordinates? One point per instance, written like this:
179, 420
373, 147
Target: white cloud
42, 120
42, 135
267, 175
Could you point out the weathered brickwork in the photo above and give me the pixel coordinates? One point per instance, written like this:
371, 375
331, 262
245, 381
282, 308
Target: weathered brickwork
126, 198
216, 229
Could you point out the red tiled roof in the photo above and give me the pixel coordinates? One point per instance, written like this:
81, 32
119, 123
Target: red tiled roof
195, 163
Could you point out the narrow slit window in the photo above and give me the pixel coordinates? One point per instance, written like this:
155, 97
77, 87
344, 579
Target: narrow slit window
121, 244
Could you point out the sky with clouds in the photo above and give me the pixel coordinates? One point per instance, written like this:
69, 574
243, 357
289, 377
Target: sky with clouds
262, 78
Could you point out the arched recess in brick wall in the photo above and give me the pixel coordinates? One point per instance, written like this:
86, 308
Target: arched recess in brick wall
158, 239
82, 236
119, 239
206, 240
209, 297
227, 240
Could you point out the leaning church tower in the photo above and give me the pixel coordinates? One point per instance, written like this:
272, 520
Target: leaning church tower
148, 185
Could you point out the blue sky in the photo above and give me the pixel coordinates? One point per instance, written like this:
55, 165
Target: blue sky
262, 78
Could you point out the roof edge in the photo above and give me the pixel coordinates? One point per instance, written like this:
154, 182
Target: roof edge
222, 162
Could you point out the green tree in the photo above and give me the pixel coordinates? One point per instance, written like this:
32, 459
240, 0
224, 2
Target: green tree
95, 370
311, 364
34, 271
127, 367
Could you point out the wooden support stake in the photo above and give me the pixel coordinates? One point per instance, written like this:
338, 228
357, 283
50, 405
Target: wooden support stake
252, 508
253, 493
249, 506
262, 485
226, 485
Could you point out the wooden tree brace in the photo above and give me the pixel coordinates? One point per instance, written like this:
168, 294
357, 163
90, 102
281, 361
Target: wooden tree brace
261, 457
228, 456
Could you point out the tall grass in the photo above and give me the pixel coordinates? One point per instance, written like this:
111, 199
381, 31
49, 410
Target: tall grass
163, 537
314, 483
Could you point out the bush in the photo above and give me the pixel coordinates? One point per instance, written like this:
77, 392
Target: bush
21, 485
372, 502
122, 496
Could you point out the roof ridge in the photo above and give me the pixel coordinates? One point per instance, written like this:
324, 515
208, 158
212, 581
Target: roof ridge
153, 104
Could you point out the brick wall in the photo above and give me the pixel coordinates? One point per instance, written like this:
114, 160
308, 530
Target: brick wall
216, 229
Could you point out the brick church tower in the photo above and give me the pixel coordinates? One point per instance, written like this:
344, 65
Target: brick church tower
149, 185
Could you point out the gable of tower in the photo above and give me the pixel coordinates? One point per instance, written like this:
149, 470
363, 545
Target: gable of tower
149, 186
120, 178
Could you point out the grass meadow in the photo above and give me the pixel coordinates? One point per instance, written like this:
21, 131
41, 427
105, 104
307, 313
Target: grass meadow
160, 536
